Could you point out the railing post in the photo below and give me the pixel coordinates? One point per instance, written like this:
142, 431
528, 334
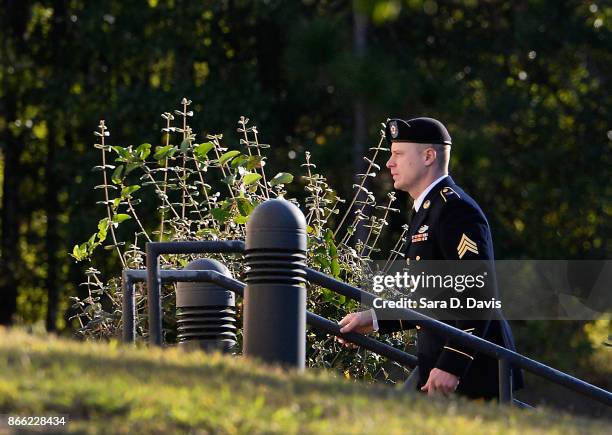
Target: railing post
275, 295
128, 308
154, 295
505, 381
205, 312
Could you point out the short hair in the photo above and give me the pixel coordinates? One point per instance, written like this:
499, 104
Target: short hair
442, 154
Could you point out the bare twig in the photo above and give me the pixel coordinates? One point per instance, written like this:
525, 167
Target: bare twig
103, 133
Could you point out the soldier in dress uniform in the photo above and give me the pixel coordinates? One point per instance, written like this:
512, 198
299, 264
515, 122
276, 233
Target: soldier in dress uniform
447, 224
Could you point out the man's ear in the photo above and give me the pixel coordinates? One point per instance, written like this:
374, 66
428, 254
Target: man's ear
429, 156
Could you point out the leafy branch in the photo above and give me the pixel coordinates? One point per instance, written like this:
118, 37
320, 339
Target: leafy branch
187, 182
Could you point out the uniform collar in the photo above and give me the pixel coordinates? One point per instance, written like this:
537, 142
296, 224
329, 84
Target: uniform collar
419, 201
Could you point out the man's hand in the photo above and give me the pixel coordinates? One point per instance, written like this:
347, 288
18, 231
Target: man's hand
440, 382
360, 322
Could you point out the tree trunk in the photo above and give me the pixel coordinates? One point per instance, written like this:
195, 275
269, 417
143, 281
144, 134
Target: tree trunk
9, 251
51, 236
360, 135
52, 242
15, 17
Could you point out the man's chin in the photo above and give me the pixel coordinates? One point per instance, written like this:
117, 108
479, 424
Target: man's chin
397, 185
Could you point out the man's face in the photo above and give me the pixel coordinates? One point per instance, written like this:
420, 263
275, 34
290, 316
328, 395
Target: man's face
407, 165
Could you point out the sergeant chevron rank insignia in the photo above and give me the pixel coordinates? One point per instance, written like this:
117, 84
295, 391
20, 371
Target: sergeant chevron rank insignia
466, 244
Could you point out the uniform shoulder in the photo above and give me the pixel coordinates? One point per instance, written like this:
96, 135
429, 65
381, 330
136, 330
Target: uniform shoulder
456, 202
449, 194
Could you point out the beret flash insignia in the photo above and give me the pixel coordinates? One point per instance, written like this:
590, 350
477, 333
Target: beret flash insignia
393, 129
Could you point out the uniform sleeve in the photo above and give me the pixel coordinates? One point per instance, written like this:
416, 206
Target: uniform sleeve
464, 236
388, 321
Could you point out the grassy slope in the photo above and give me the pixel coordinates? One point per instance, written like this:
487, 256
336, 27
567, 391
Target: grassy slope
112, 388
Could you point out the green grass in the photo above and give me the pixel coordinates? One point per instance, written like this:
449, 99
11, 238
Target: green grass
111, 388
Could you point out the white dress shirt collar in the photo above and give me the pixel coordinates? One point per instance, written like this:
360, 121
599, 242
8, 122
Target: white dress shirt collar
419, 201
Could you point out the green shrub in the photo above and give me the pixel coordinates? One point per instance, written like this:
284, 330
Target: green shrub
206, 191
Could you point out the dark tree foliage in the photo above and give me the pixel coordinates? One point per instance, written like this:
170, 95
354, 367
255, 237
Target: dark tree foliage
522, 85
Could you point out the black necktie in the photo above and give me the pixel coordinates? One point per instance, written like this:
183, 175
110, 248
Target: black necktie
411, 217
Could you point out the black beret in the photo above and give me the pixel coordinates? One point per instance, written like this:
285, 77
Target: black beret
417, 130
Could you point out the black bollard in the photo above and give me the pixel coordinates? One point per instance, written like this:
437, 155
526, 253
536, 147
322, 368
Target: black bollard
205, 312
275, 295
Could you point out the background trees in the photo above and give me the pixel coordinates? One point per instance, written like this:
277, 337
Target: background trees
522, 86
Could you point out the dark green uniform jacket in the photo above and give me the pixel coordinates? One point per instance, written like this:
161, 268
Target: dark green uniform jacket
451, 226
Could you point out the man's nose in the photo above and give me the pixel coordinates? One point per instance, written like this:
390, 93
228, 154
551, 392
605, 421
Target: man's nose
389, 163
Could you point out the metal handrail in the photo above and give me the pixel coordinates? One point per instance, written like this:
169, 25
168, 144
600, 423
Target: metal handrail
130, 276
154, 250
472, 341
505, 356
